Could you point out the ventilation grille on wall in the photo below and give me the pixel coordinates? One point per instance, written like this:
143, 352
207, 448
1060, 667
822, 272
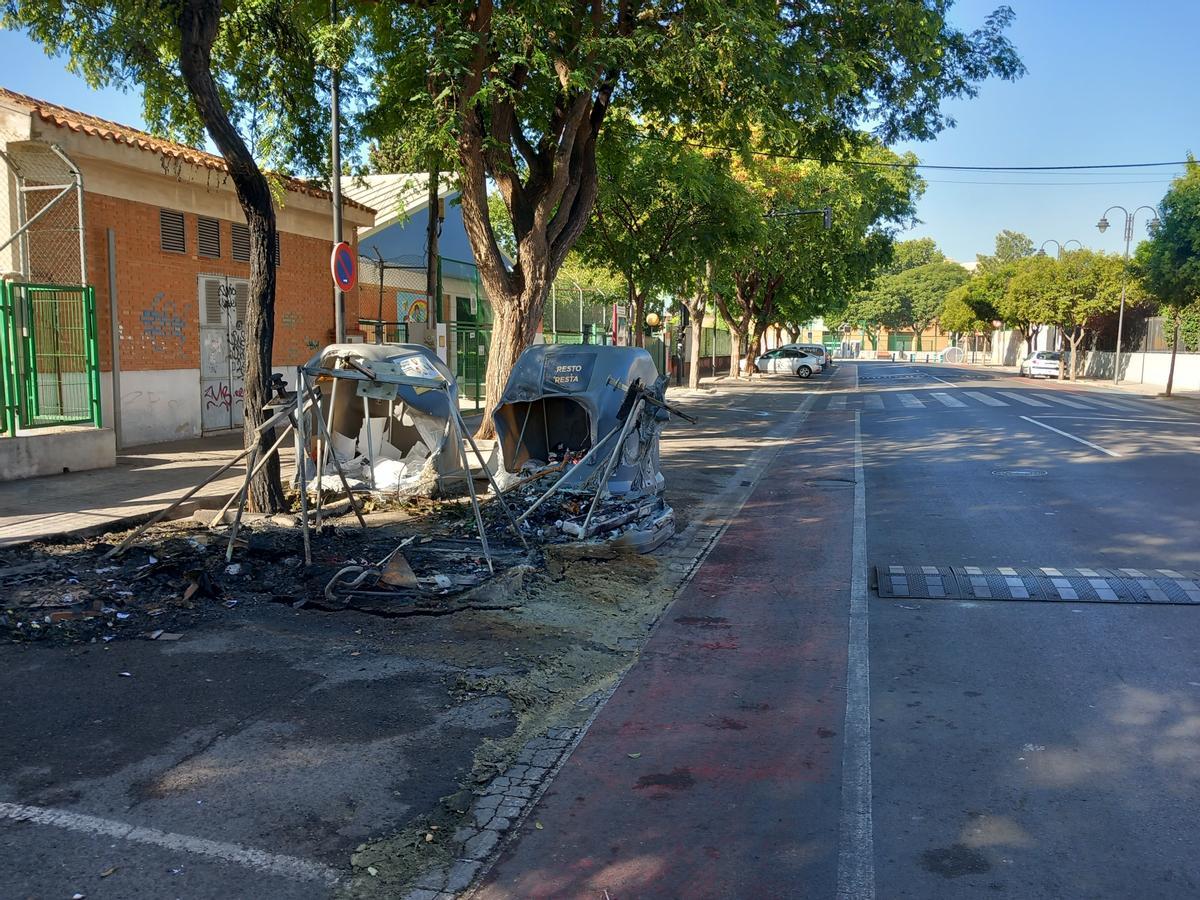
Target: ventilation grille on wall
170, 231
241, 243
225, 296
208, 233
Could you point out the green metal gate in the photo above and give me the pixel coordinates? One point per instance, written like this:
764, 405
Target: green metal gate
49, 357
471, 359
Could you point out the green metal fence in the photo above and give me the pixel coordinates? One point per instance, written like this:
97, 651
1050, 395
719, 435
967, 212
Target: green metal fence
49, 357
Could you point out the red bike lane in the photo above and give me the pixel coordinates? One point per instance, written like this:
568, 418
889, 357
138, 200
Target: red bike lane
715, 768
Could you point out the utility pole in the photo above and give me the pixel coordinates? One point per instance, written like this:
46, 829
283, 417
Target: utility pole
335, 182
432, 234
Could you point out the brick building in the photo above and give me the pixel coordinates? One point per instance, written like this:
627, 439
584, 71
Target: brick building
155, 229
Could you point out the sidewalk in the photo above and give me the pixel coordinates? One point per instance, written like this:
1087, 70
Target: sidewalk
715, 768
145, 480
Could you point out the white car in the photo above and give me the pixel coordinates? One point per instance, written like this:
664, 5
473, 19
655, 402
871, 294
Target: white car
788, 361
1042, 364
816, 350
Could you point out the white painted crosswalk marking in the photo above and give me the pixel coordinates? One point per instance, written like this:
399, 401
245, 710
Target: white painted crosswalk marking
1100, 402
1021, 398
1054, 398
985, 399
948, 400
873, 401
838, 402
910, 401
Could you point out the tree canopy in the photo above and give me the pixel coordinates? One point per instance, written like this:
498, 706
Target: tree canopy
662, 210
1168, 265
791, 269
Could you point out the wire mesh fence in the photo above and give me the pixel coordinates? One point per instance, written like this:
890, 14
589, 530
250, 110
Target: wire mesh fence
41, 215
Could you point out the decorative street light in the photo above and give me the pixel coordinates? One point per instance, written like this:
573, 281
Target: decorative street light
1061, 247
1102, 225
652, 319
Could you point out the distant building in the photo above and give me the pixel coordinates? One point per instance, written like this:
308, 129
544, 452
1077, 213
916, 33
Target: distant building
145, 235
392, 282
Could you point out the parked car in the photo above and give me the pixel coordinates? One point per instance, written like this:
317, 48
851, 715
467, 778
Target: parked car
1041, 364
817, 350
788, 361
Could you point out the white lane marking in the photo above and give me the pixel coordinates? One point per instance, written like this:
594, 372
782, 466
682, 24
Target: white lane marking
271, 863
947, 400
1054, 398
837, 402
943, 381
856, 851
1123, 419
873, 401
1021, 398
985, 398
910, 401
1071, 436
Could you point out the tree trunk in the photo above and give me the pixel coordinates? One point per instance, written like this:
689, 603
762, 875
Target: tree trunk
693, 350
735, 354
1174, 351
638, 312
199, 21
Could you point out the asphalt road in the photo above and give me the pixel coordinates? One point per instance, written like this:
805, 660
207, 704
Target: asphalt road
1029, 749
250, 758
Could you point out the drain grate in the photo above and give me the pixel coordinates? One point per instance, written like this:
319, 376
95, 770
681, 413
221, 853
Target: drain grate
1047, 583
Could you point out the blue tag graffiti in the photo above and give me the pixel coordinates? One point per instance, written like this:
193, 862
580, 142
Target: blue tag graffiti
160, 323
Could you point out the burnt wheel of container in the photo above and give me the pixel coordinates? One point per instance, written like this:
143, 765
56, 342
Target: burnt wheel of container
804, 372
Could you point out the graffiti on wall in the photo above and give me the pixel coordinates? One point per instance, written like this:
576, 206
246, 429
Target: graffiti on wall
161, 323
237, 352
219, 396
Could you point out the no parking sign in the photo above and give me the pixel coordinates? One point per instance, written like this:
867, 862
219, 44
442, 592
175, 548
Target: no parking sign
343, 266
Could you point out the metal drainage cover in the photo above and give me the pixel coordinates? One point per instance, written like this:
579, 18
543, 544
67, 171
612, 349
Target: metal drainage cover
1020, 473
1045, 583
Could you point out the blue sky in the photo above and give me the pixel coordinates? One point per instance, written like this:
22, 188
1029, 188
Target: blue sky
1108, 82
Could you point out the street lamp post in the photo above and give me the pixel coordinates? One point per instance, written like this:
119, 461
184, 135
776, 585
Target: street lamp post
1102, 225
1061, 247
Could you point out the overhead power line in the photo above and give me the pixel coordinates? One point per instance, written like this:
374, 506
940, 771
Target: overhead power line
917, 165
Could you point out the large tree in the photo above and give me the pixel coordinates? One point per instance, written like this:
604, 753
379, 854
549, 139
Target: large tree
662, 209
522, 91
1168, 264
794, 266
233, 70
1068, 293
908, 290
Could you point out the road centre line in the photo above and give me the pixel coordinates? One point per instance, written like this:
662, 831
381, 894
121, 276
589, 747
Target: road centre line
856, 847
251, 858
1071, 436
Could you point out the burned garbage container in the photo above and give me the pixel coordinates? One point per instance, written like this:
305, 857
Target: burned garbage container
387, 435
592, 416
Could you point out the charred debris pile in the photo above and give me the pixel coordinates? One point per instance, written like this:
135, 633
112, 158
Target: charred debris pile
576, 459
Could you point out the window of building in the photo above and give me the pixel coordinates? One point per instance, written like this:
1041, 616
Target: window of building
208, 237
170, 231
